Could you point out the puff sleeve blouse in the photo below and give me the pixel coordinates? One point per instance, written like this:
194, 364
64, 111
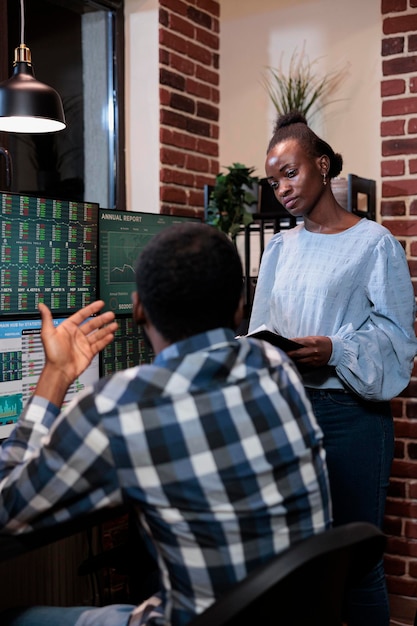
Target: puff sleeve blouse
353, 287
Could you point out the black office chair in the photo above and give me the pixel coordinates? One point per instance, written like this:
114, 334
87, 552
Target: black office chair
362, 189
303, 586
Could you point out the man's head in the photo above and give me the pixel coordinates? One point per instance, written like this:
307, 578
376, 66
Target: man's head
189, 280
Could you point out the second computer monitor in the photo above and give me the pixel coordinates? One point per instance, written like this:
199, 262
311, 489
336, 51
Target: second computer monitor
122, 235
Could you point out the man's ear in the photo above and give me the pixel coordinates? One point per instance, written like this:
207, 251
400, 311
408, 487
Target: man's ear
238, 317
138, 312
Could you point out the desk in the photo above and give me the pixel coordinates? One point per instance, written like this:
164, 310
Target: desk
10, 547
42, 567
16, 545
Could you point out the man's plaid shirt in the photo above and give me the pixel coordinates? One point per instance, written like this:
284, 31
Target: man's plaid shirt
215, 446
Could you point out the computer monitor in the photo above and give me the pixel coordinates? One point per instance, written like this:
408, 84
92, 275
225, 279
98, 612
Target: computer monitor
122, 235
48, 253
21, 362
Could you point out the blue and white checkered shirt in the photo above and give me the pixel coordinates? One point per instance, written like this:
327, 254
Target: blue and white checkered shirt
214, 444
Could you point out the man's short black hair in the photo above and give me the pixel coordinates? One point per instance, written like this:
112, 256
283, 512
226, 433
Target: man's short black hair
189, 279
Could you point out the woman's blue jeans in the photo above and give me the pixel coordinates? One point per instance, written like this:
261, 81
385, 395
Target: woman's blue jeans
359, 444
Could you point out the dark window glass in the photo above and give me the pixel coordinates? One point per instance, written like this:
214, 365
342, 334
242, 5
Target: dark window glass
77, 48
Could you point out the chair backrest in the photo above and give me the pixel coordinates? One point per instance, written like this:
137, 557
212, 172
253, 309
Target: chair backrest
302, 586
360, 188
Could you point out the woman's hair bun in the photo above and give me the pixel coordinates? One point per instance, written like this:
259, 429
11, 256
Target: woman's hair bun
293, 117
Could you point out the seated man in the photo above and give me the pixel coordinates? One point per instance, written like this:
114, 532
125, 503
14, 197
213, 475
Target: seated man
214, 445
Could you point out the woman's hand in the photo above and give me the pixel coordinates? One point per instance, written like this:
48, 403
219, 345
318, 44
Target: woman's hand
70, 347
316, 351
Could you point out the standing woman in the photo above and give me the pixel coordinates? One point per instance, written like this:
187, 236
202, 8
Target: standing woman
340, 285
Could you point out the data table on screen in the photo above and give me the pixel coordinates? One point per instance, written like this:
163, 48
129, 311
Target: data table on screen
48, 253
128, 349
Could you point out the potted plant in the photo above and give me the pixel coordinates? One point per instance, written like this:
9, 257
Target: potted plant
301, 87
233, 199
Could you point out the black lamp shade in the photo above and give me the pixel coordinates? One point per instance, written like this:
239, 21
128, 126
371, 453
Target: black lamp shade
28, 106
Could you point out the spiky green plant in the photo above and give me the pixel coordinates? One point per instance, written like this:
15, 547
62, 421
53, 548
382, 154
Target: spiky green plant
301, 87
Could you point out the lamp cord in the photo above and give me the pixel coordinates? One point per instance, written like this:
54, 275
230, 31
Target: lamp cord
22, 22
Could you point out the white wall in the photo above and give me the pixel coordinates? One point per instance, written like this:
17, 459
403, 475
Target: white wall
255, 35
142, 105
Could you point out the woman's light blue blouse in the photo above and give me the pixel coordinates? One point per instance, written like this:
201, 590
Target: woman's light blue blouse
353, 287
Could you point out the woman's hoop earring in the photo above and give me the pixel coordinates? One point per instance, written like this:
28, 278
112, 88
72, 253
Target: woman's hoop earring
324, 178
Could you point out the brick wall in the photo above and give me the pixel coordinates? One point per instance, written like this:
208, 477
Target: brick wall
398, 212
189, 103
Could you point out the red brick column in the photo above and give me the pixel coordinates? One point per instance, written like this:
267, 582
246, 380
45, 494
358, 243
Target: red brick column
189, 103
398, 212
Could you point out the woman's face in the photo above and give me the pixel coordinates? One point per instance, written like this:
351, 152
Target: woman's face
296, 178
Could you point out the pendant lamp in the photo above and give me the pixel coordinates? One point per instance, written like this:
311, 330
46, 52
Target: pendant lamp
26, 105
